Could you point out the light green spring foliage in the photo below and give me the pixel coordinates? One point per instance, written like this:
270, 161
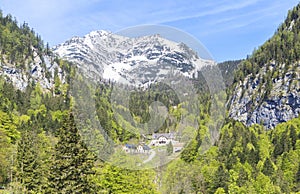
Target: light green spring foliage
113, 179
39, 148
247, 160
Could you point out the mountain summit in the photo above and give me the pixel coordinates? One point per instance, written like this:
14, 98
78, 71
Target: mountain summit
135, 61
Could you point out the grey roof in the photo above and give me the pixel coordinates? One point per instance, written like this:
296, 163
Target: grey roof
130, 146
145, 147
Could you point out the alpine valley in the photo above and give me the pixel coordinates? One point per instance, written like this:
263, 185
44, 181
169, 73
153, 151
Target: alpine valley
50, 143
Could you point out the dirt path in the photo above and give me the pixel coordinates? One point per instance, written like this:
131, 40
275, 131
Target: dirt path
152, 155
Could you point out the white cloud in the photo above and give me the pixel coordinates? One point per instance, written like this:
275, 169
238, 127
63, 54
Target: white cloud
214, 11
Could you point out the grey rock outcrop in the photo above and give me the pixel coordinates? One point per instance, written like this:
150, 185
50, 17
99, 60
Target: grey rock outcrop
39, 70
250, 105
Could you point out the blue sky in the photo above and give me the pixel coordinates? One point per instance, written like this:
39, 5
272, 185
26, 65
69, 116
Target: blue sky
229, 29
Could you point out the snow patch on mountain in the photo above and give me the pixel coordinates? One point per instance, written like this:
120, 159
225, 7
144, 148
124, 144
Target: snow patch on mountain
137, 61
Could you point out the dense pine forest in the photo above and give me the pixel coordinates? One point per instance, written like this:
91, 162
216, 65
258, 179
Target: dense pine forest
43, 148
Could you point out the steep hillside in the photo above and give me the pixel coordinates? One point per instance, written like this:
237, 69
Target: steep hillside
24, 59
227, 69
40, 142
267, 85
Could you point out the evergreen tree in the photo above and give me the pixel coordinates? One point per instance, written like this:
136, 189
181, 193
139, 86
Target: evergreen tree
297, 179
268, 168
29, 166
170, 148
5, 154
243, 177
72, 162
293, 136
220, 180
190, 153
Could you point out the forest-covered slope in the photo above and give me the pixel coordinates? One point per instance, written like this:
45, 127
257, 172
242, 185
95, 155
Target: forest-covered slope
25, 60
266, 87
44, 148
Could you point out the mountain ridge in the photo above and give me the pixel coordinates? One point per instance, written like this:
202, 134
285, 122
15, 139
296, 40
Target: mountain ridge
130, 60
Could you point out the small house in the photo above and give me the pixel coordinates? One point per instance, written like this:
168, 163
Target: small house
143, 148
129, 148
177, 147
161, 139
139, 149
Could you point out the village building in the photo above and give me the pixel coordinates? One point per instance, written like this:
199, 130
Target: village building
177, 147
129, 148
139, 149
143, 149
162, 139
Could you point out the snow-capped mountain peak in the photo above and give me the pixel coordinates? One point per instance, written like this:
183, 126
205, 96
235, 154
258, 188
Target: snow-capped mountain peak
130, 60
101, 33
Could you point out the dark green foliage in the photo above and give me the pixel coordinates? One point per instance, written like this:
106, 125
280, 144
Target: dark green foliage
141, 100
243, 177
106, 116
293, 136
6, 154
72, 162
282, 144
139, 103
32, 160
29, 171
228, 68
16, 42
240, 136
170, 148
27, 163
190, 153
220, 180
297, 179
268, 168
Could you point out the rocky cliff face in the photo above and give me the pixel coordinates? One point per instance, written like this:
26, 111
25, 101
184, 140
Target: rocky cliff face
41, 69
135, 61
251, 105
267, 85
